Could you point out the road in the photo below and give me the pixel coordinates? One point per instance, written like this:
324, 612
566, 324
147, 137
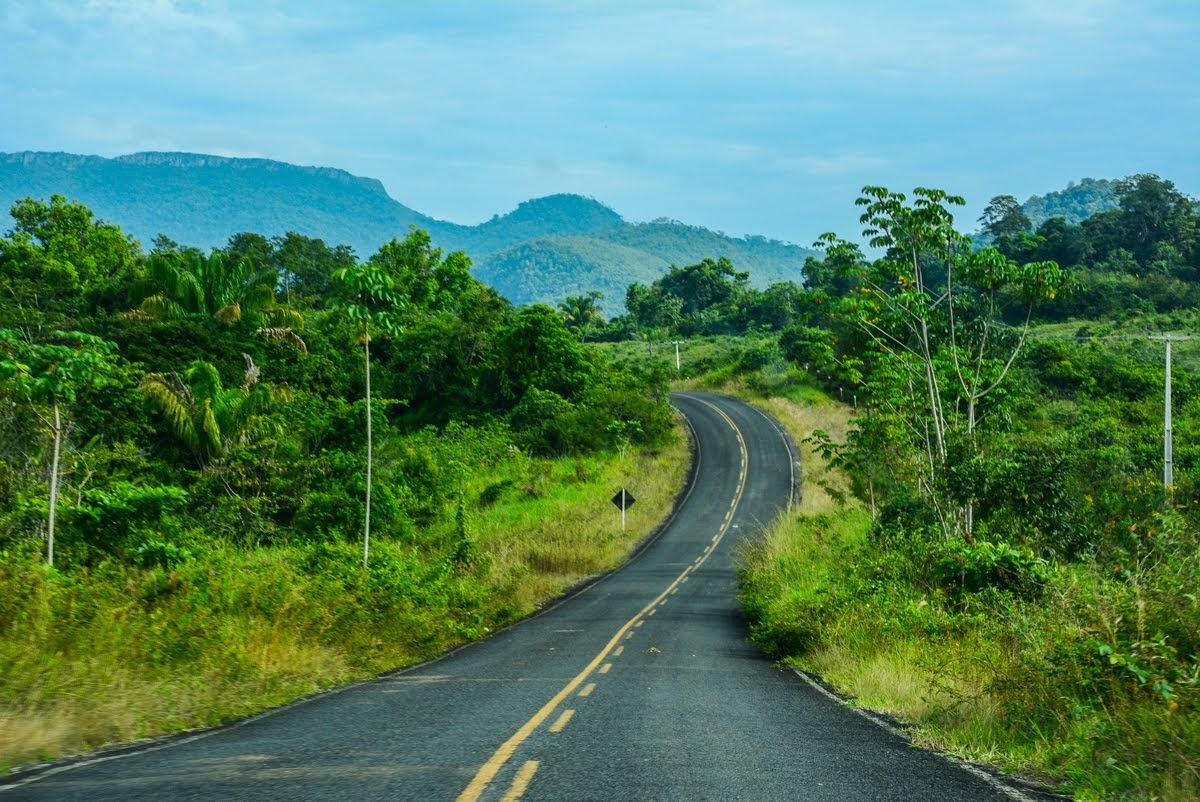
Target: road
643, 686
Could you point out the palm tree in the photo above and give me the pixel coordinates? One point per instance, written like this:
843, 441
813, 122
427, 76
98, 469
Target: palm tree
579, 312
189, 283
208, 418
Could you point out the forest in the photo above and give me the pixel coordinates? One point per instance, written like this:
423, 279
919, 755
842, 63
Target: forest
230, 477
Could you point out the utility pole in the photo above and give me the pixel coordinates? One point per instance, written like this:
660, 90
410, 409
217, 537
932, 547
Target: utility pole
676, 356
1168, 462
1168, 442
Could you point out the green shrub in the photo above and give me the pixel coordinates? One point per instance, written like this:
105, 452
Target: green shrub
107, 518
964, 567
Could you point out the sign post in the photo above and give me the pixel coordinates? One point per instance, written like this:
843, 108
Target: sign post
623, 501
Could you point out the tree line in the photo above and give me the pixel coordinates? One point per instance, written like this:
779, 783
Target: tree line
251, 389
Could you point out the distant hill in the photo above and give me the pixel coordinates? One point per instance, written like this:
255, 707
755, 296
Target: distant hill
1076, 203
543, 250
202, 200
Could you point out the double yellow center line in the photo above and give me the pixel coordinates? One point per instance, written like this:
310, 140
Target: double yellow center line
488, 771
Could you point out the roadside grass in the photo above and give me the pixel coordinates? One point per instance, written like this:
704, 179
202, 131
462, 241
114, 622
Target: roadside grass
116, 653
1026, 684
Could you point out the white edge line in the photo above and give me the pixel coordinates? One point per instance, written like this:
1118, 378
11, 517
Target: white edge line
991, 780
788, 446
995, 783
175, 739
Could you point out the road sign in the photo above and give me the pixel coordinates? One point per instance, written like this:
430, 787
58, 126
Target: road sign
623, 499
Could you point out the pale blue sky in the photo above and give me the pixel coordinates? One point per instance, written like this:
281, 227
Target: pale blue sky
748, 117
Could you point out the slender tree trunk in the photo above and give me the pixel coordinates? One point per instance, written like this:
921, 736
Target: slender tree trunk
367, 515
54, 484
970, 511
935, 398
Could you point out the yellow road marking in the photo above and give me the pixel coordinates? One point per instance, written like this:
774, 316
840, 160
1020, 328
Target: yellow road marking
521, 781
618, 651
488, 771
562, 720
652, 612
638, 624
587, 689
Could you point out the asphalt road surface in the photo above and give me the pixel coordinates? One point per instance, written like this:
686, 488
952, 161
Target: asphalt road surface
641, 687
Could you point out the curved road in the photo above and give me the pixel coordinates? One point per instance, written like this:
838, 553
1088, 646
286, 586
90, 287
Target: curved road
641, 687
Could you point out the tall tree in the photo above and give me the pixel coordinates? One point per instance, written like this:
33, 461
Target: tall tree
942, 336
50, 375
369, 299
1004, 217
306, 265
421, 277
1154, 211
654, 310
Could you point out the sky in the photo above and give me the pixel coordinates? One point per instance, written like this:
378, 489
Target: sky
755, 117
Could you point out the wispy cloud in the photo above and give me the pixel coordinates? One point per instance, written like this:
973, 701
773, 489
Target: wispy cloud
747, 115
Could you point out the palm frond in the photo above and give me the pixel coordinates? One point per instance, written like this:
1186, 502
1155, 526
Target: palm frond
209, 431
159, 307
174, 405
204, 380
283, 334
229, 314
279, 315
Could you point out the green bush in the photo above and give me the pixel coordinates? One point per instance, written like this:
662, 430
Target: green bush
107, 518
964, 567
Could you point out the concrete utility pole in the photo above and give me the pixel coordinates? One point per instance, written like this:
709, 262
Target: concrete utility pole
1168, 462
1168, 436
1168, 441
677, 355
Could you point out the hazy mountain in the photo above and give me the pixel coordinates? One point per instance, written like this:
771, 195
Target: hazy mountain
201, 200
543, 250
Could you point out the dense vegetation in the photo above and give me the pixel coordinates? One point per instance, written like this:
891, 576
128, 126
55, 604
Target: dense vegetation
191, 444
1139, 257
541, 251
1002, 565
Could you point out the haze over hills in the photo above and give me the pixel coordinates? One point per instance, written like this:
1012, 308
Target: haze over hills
1076, 202
543, 250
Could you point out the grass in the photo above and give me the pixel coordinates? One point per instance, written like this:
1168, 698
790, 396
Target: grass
1013, 682
115, 652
